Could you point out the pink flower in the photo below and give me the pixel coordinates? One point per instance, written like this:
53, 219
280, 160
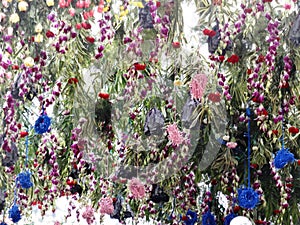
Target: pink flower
197, 85
88, 214
57, 223
287, 6
106, 206
174, 134
231, 145
136, 188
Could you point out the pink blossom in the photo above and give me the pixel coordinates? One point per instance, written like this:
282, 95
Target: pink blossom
106, 205
197, 85
57, 223
88, 214
231, 145
136, 188
174, 134
287, 6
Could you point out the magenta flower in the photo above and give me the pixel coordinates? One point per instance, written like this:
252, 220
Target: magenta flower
136, 188
231, 145
88, 214
174, 134
106, 206
198, 85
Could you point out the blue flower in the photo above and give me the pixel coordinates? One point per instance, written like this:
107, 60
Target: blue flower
283, 157
15, 213
2, 223
42, 124
247, 198
208, 219
24, 180
228, 218
190, 218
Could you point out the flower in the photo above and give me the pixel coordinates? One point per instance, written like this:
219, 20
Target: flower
209, 33
14, 18
15, 213
233, 59
88, 214
176, 44
42, 124
283, 157
190, 218
248, 198
24, 180
208, 219
90, 39
138, 66
106, 205
49, 34
38, 38
50, 3
103, 95
23, 6
136, 188
198, 85
174, 135
214, 97
38, 28
73, 80
23, 134
293, 130
228, 218
29, 61
231, 145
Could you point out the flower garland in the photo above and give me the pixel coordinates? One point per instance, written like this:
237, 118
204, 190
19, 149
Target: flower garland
248, 198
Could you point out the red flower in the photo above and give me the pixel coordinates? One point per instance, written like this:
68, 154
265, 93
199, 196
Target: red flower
276, 211
298, 162
284, 85
103, 95
176, 44
184, 218
236, 209
261, 59
78, 26
254, 165
221, 58
263, 112
209, 33
264, 1
248, 10
214, 97
23, 134
50, 34
15, 67
293, 130
233, 59
73, 80
90, 39
138, 66
86, 26
289, 185
249, 71
275, 132
158, 4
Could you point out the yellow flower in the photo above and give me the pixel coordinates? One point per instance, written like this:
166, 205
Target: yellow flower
105, 9
50, 3
22, 6
14, 18
29, 61
137, 4
9, 1
124, 13
108, 1
38, 38
38, 28
177, 83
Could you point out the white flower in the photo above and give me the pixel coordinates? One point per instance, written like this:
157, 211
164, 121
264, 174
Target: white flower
29, 61
23, 6
14, 18
38, 28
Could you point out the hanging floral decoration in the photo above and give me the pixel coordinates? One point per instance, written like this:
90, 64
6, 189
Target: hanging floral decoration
42, 124
15, 213
208, 218
24, 179
248, 198
283, 157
